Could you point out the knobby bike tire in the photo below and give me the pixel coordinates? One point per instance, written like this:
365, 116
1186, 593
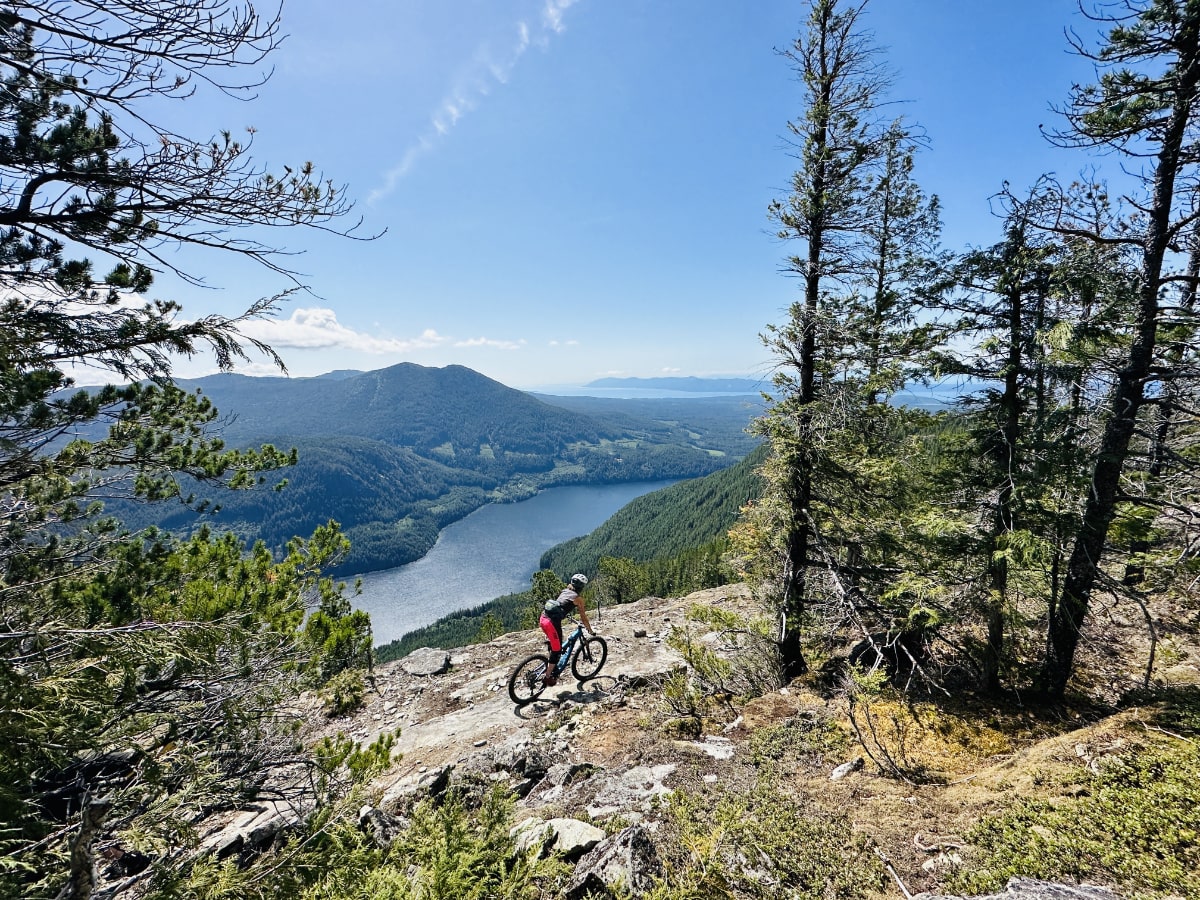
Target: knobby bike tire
589, 658
525, 684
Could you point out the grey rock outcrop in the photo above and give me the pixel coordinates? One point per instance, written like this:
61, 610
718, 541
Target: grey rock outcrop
573, 838
562, 774
404, 792
254, 829
382, 827
625, 862
631, 790
568, 837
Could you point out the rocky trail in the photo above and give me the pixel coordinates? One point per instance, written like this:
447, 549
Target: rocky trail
590, 766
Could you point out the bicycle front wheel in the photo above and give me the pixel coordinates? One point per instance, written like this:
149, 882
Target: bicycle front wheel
525, 684
586, 663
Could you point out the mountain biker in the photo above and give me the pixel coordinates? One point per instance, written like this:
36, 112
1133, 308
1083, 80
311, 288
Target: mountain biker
568, 601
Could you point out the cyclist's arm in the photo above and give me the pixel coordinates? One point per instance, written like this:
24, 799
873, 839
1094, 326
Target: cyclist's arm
583, 616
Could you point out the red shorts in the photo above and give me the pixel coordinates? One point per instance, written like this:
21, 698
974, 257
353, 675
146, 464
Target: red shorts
553, 631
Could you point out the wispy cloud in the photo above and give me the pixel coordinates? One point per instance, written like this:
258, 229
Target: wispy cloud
486, 70
552, 14
318, 328
490, 342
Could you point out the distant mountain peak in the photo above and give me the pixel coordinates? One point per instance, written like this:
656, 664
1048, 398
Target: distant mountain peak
340, 374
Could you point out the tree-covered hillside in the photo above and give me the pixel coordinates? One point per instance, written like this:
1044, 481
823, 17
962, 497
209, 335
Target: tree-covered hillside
699, 421
454, 411
689, 384
667, 522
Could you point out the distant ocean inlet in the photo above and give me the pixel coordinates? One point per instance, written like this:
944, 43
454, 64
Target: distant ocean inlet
492, 552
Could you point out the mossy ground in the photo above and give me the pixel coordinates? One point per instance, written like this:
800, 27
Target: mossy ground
956, 793
1062, 794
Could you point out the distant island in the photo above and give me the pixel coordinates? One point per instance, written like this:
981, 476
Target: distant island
690, 383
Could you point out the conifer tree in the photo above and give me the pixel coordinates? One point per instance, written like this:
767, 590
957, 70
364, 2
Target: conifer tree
1145, 106
838, 478
902, 272
141, 677
836, 143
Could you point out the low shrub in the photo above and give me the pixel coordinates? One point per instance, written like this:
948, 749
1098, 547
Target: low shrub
764, 845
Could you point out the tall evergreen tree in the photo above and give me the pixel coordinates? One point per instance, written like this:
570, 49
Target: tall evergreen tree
1145, 106
902, 272
837, 141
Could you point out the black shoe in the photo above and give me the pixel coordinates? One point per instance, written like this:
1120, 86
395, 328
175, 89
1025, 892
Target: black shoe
550, 680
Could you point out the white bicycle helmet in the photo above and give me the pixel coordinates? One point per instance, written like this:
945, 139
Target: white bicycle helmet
579, 579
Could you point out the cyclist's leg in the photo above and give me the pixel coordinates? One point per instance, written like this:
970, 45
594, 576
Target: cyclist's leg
552, 628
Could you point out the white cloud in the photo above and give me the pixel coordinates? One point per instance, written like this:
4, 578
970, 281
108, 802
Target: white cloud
484, 72
402, 168
317, 328
490, 342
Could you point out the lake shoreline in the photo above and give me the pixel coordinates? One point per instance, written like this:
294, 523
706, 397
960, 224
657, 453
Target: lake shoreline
339, 573
492, 552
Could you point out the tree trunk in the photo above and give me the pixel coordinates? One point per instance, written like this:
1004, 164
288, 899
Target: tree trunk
1135, 569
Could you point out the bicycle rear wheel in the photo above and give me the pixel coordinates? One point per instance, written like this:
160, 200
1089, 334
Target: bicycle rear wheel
525, 684
588, 660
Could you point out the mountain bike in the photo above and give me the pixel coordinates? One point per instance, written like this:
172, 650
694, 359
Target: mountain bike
585, 655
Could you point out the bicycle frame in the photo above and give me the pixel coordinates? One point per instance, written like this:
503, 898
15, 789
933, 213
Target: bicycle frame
568, 648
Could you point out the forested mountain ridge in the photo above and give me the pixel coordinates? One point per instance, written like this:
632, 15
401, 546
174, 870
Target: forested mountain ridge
453, 409
704, 420
395, 455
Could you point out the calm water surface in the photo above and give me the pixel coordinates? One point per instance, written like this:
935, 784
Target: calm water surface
492, 552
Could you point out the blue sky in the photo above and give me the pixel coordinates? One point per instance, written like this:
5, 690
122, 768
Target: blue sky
578, 188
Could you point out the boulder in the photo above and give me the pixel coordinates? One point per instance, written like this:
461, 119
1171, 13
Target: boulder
426, 661
568, 837
522, 757
405, 792
625, 862
382, 827
846, 768
532, 836
562, 774
573, 838
253, 829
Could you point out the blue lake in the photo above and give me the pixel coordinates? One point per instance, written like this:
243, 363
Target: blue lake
492, 552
